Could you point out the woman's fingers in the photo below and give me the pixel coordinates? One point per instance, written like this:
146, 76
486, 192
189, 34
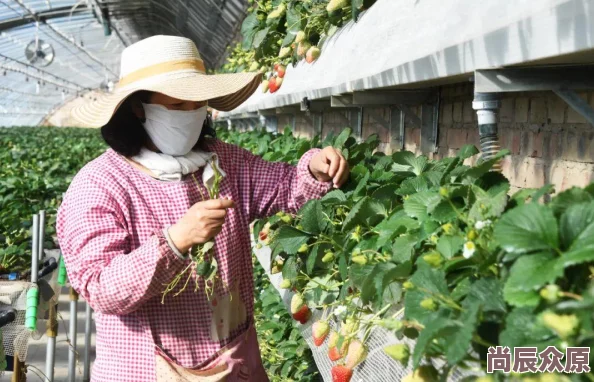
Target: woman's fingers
343, 173
217, 204
334, 160
213, 214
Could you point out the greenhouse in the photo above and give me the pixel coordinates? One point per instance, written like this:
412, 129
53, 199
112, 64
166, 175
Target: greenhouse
296, 190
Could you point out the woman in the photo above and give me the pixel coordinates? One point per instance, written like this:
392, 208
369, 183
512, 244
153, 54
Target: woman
130, 217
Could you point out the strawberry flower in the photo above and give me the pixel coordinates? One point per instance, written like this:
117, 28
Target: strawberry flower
482, 224
469, 249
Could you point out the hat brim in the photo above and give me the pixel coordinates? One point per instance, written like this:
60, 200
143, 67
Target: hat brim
223, 92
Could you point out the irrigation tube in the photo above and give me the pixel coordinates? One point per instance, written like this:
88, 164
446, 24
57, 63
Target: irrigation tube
73, 320
87, 365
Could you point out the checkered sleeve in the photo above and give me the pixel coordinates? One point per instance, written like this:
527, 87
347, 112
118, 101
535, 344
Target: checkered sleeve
101, 265
280, 186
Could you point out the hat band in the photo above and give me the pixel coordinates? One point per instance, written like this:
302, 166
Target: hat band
163, 67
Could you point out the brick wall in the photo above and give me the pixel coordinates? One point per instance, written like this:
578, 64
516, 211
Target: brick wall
549, 141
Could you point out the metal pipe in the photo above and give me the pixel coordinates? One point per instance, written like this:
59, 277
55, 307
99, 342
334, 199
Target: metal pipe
87, 365
41, 234
35, 249
72, 334
52, 333
486, 106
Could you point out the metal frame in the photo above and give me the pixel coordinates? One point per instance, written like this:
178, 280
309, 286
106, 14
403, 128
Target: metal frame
42, 16
428, 123
358, 103
563, 80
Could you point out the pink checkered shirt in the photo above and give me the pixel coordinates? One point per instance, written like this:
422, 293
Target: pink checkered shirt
110, 232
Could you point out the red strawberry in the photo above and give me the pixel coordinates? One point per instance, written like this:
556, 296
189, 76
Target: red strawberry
263, 235
272, 85
356, 354
341, 374
333, 352
319, 332
278, 82
312, 54
281, 70
276, 66
299, 310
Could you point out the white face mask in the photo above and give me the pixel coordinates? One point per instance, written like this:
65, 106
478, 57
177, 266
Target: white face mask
174, 132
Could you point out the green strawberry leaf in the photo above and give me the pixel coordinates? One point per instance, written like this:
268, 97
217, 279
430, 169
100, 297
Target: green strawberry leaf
444, 211
528, 228
413, 185
259, 37
431, 280
291, 269
407, 162
290, 239
436, 325
467, 151
449, 246
397, 224
418, 205
312, 217
342, 138
413, 309
528, 274
402, 249
484, 166
486, 205
568, 198
522, 328
459, 337
248, 30
488, 292
576, 256
334, 197
576, 226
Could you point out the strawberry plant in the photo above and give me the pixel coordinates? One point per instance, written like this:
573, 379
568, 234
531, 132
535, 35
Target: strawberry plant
37, 167
285, 353
445, 244
276, 33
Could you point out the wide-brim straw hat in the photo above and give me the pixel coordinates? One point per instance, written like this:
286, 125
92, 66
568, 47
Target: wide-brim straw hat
170, 65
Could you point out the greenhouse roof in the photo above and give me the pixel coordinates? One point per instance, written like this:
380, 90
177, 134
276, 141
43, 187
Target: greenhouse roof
74, 46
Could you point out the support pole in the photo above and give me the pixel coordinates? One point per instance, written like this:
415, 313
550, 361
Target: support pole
73, 320
18, 370
486, 106
41, 234
87, 365
52, 333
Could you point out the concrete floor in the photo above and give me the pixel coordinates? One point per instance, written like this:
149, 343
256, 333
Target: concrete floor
37, 349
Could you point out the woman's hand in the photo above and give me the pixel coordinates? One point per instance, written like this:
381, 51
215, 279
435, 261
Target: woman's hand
202, 222
329, 165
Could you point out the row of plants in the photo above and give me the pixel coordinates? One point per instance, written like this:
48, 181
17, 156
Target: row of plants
284, 352
444, 243
277, 33
37, 167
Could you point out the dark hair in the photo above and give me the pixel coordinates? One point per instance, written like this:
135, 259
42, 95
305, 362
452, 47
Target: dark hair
126, 135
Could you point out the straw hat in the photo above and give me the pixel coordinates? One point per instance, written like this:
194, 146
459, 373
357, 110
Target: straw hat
170, 65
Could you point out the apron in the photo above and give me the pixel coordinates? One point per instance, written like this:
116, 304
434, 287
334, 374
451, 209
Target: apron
238, 361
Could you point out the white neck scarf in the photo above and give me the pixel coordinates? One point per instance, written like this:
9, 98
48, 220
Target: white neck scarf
170, 168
